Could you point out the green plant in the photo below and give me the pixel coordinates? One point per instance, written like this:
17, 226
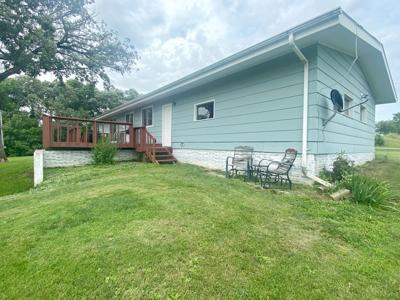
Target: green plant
365, 189
103, 153
379, 140
341, 166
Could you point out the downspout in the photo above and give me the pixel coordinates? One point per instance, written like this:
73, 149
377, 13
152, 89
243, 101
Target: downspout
304, 147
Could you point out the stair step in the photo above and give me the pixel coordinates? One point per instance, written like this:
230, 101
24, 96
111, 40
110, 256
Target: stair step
164, 155
170, 160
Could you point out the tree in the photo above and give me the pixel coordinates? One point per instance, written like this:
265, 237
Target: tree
22, 135
385, 127
61, 37
396, 122
3, 157
389, 126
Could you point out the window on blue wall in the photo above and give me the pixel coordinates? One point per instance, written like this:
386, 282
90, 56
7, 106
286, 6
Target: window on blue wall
147, 116
348, 102
129, 118
204, 110
363, 114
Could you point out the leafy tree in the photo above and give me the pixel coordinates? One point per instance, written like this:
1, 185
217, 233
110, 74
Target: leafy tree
61, 37
22, 135
131, 94
396, 122
389, 126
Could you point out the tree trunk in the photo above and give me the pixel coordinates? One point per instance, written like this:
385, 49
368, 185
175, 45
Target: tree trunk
3, 157
7, 73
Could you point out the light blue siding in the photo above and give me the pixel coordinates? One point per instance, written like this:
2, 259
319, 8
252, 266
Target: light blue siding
343, 133
262, 107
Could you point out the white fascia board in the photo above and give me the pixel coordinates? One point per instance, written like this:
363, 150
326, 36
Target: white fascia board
351, 25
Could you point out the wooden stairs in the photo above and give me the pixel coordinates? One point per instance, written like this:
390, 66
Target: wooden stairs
156, 153
163, 155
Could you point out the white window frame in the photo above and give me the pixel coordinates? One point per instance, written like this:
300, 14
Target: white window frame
363, 116
133, 116
195, 110
349, 112
152, 116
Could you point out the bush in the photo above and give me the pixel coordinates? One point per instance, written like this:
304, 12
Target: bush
103, 153
379, 140
341, 166
22, 134
365, 189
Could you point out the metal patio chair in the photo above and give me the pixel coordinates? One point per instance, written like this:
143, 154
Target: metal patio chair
277, 171
240, 163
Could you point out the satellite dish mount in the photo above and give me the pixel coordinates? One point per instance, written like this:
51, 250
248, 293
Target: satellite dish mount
338, 104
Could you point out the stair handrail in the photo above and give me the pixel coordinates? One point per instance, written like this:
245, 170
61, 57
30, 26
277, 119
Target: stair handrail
146, 143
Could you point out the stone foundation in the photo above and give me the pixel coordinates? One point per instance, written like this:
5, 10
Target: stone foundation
68, 158
216, 159
326, 160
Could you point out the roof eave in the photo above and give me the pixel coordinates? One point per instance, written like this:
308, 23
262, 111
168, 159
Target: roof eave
328, 19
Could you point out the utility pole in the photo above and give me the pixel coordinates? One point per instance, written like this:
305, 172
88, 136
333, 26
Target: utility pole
3, 157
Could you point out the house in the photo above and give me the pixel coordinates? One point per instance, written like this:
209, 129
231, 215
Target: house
272, 96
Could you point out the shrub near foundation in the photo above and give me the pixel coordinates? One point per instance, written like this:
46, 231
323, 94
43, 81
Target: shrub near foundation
104, 152
341, 166
365, 189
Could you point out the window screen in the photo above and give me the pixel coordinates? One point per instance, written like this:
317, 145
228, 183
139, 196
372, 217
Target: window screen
147, 116
129, 118
363, 114
204, 111
348, 102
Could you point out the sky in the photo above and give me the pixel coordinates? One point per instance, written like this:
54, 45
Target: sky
177, 37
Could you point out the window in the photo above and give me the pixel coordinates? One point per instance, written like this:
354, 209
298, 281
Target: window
205, 110
363, 114
348, 102
129, 118
147, 116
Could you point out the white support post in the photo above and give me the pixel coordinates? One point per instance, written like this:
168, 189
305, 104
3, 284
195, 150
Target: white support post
38, 167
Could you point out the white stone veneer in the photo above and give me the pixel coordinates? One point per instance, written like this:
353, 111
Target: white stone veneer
215, 159
68, 158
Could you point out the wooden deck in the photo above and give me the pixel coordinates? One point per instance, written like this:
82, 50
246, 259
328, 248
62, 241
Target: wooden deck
72, 133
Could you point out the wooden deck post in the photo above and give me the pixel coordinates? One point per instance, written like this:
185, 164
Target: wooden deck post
132, 136
46, 134
94, 133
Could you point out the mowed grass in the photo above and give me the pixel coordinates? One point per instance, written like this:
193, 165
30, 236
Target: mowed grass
16, 175
392, 140
141, 231
391, 154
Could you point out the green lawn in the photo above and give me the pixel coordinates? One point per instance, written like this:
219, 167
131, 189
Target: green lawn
16, 175
383, 153
138, 230
391, 149
392, 140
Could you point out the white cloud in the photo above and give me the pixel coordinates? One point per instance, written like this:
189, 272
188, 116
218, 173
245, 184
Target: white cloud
175, 38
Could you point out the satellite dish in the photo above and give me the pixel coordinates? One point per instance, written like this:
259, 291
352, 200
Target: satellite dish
337, 100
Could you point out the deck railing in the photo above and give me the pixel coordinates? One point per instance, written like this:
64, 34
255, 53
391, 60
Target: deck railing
145, 142
66, 132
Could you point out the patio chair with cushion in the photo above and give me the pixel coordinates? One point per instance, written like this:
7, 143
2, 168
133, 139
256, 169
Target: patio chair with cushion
240, 163
277, 171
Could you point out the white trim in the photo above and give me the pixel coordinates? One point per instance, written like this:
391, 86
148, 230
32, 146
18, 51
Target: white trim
195, 110
163, 128
362, 119
350, 100
152, 115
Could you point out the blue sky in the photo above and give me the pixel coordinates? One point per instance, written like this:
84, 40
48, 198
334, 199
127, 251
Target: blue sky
177, 37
